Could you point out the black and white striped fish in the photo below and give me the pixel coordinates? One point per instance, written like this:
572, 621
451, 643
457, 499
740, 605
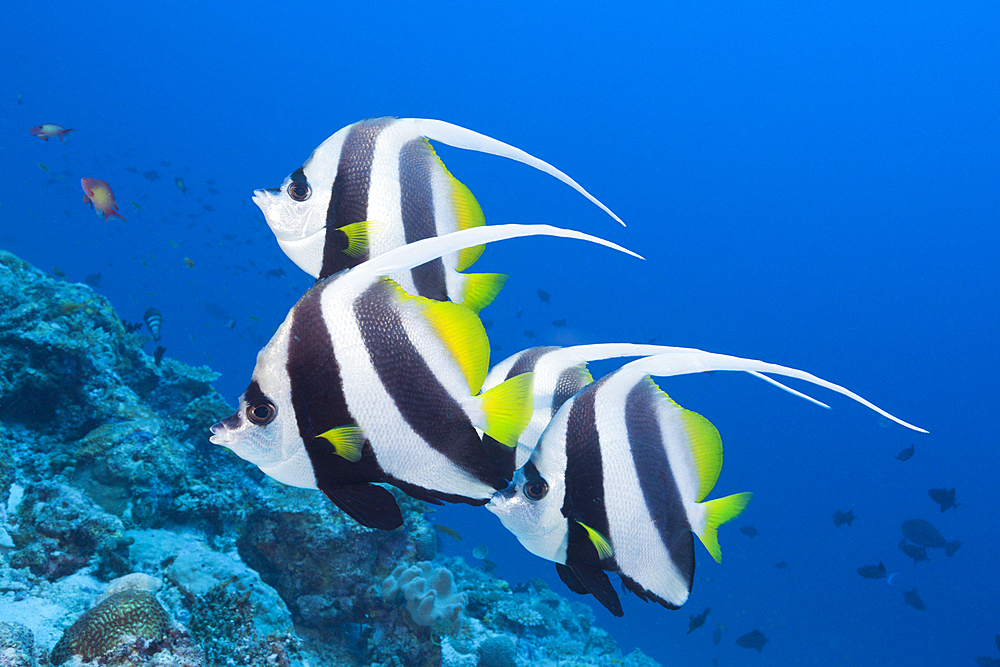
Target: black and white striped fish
378, 184
154, 320
364, 383
618, 479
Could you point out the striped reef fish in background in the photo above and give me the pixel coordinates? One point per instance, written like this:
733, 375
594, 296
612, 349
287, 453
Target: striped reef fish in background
365, 383
560, 372
153, 320
618, 479
378, 184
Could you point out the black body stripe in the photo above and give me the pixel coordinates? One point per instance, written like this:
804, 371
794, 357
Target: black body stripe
349, 193
656, 478
318, 396
570, 382
416, 166
584, 499
412, 385
528, 360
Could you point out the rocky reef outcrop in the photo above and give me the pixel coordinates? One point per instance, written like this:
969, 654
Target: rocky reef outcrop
128, 539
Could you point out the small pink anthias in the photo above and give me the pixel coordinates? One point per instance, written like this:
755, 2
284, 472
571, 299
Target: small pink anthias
46, 130
98, 194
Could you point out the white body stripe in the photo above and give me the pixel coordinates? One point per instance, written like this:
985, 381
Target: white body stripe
638, 547
399, 450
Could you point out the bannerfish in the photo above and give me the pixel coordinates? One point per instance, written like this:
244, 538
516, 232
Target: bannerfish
378, 184
616, 484
179, 182
47, 130
617, 479
840, 518
750, 531
153, 320
873, 571
365, 383
911, 598
696, 622
917, 553
905, 454
923, 533
754, 639
480, 551
98, 194
945, 498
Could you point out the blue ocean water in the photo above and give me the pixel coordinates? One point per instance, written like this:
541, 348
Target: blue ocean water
813, 185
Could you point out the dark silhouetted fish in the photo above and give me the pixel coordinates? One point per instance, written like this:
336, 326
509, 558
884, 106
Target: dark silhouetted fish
917, 553
543, 296
755, 639
158, 354
905, 454
923, 533
911, 598
153, 320
93, 279
275, 273
151, 175
559, 323
699, 620
781, 565
984, 661
844, 517
717, 635
179, 182
945, 498
749, 531
872, 571
529, 333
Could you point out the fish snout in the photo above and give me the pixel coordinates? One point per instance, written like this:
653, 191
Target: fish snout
499, 502
222, 432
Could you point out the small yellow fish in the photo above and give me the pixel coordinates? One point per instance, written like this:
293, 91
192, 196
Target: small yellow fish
445, 530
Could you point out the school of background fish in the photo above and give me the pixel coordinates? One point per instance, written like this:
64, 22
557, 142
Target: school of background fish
818, 194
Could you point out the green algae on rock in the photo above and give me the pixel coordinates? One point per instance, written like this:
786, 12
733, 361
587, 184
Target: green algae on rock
129, 613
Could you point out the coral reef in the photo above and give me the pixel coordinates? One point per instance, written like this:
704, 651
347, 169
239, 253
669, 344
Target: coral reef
123, 615
17, 646
430, 595
105, 460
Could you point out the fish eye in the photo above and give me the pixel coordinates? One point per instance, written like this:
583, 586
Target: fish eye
299, 191
536, 490
262, 413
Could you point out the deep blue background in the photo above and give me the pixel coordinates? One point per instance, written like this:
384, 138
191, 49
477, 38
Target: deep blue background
814, 186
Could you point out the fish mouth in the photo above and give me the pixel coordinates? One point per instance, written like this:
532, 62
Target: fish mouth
220, 434
499, 502
264, 197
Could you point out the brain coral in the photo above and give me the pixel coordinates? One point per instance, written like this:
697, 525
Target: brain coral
131, 612
430, 594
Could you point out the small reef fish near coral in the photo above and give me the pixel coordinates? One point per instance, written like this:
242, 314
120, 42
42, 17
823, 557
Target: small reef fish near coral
375, 377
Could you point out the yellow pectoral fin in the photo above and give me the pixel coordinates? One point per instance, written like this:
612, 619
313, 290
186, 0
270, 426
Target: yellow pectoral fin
357, 234
508, 408
347, 441
600, 542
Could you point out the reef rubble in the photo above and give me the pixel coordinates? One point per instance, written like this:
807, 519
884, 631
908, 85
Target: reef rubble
128, 539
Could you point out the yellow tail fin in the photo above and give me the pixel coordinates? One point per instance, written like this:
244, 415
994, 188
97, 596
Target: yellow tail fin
508, 408
479, 289
718, 512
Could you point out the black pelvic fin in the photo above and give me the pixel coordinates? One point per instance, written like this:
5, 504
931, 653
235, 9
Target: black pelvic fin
369, 505
596, 582
570, 579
